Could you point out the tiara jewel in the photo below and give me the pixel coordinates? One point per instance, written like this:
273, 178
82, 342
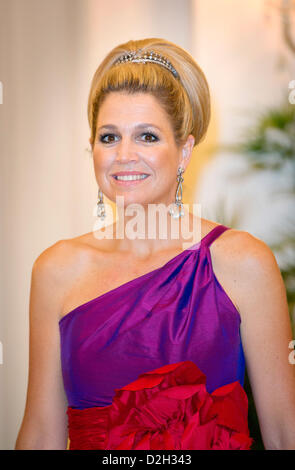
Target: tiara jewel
147, 56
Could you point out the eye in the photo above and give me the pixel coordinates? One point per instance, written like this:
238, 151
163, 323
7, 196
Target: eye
110, 138
150, 134
101, 138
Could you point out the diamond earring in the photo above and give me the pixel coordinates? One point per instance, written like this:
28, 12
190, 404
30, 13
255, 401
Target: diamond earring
176, 210
101, 212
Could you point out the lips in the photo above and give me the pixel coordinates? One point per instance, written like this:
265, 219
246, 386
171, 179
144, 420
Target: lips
125, 179
126, 173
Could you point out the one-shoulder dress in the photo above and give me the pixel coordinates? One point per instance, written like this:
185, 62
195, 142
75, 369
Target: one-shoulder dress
158, 362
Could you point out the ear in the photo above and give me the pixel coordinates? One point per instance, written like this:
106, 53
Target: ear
187, 150
91, 143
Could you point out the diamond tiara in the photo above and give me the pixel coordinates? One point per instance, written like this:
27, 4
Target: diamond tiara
148, 56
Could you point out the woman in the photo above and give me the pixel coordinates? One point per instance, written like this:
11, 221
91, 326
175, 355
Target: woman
136, 343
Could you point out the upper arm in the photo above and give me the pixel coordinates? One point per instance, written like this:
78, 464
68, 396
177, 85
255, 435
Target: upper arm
266, 334
45, 421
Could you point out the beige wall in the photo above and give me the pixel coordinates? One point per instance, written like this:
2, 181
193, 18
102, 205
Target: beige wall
249, 66
245, 58
48, 54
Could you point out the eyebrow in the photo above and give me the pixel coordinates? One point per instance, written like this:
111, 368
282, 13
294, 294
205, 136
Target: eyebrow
139, 126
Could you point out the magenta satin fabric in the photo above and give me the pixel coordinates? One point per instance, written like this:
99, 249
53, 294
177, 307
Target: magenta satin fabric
174, 313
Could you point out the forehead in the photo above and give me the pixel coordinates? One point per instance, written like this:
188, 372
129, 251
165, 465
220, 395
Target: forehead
122, 107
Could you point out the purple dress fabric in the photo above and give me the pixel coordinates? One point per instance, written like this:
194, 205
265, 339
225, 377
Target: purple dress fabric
174, 313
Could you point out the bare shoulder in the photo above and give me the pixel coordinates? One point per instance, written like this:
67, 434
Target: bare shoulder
243, 264
61, 257
55, 260
65, 260
55, 268
249, 254
243, 247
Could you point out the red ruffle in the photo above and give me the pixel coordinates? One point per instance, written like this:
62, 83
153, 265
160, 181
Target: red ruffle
166, 409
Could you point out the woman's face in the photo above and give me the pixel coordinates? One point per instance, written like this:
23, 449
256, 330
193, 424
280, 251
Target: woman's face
134, 134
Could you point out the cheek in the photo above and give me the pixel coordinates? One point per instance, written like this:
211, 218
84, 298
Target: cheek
100, 167
163, 162
165, 167
100, 162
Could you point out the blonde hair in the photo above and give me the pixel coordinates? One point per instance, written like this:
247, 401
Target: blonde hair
186, 101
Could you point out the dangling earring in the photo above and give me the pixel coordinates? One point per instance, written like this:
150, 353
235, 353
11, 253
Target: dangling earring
176, 210
101, 212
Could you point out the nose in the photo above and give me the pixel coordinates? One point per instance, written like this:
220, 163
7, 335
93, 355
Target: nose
126, 151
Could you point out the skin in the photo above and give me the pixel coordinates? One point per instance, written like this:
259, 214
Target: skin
73, 271
131, 149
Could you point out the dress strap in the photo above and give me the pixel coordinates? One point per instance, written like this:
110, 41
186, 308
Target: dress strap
215, 232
